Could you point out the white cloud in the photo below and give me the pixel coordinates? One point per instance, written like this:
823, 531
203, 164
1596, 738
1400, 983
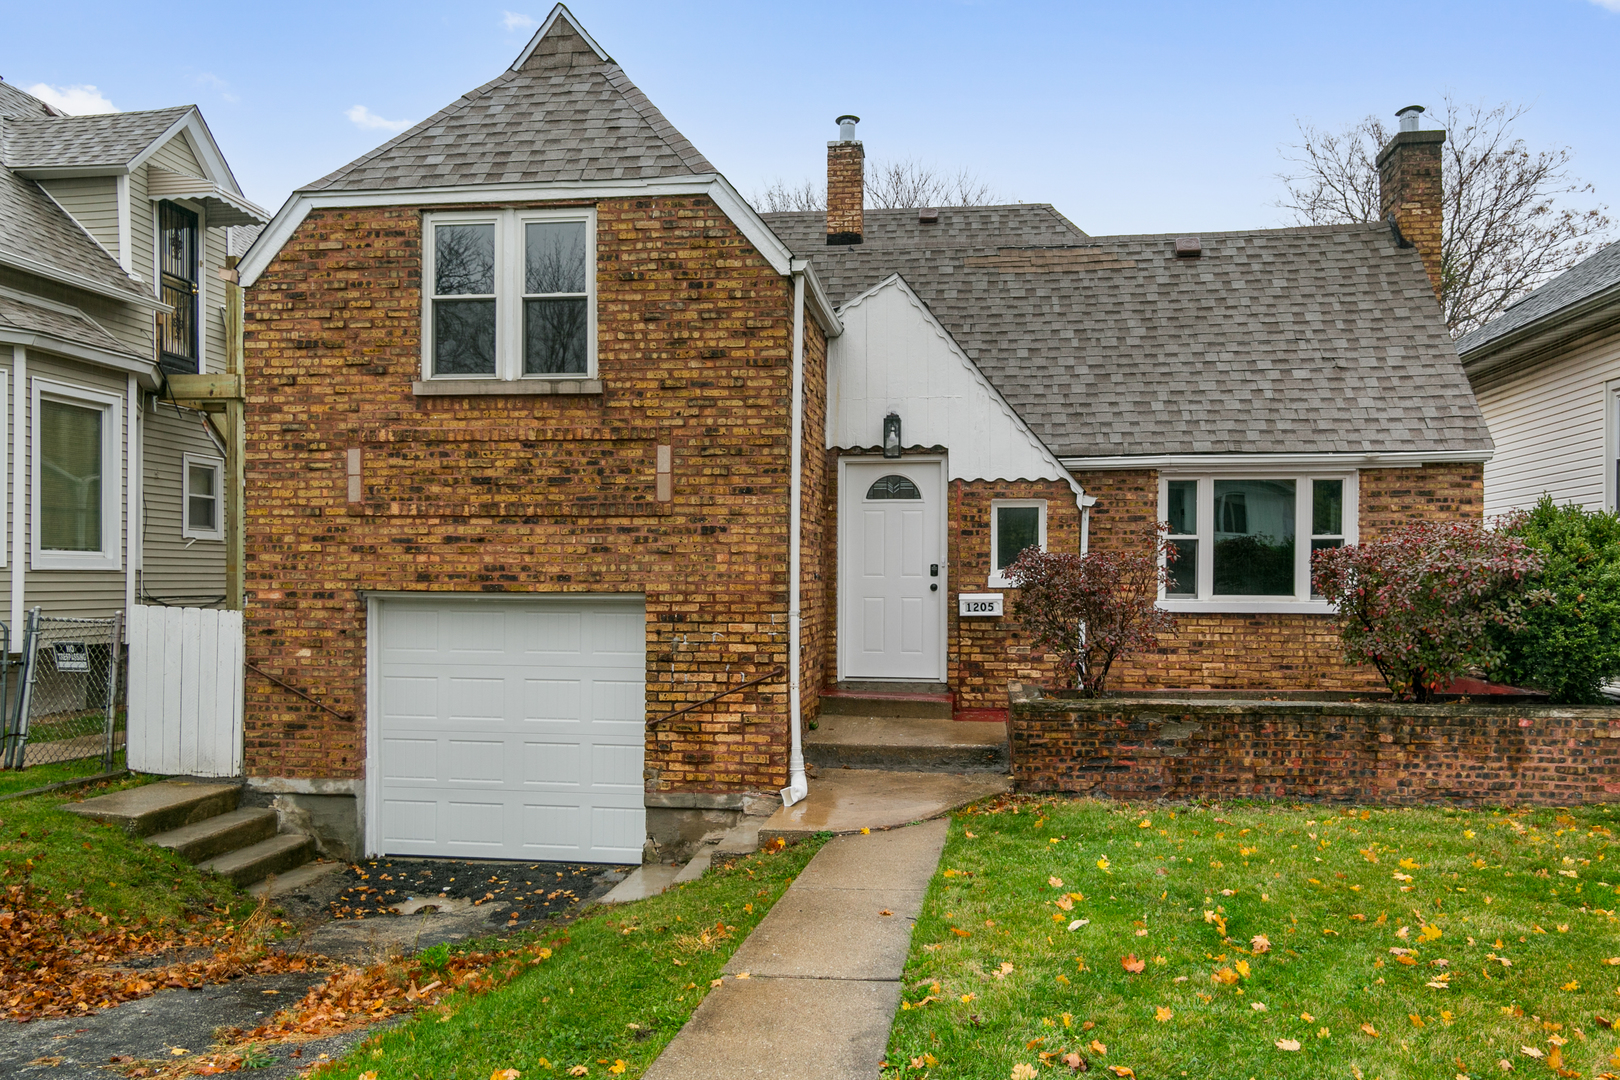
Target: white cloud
215, 83
363, 117
73, 100
512, 20
1612, 5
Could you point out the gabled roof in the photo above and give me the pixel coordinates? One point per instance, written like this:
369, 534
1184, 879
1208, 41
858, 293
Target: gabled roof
563, 111
1313, 340
103, 141
1591, 283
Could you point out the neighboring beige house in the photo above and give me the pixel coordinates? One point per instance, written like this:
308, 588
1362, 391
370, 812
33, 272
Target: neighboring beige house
1547, 376
113, 231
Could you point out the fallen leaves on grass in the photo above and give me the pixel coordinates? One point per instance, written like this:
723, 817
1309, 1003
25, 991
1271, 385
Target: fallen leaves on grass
1131, 964
1288, 1044
48, 967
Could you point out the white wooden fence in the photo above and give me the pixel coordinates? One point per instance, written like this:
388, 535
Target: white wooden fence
185, 691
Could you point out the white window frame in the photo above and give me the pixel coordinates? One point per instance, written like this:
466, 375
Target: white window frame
509, 266
996, 580
1301, 601
110, 557
187, 530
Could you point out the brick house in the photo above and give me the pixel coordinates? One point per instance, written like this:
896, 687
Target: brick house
551, 436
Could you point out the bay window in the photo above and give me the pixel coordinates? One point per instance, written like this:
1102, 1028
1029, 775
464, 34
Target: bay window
509, 295
1244, 543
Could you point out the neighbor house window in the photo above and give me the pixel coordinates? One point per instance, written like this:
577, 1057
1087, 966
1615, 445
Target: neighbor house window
510, 295
1245, 543
202, 497
1015, 526
76, 478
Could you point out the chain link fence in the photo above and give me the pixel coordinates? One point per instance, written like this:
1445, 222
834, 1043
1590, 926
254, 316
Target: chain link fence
65, 705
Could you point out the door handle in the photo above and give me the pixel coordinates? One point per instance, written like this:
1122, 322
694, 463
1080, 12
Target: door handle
933, 588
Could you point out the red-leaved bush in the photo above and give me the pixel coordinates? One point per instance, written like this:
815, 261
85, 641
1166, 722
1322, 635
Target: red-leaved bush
1417, 602
1092, 609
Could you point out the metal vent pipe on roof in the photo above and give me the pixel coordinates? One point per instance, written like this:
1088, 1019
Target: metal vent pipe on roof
846, 127
1409, 117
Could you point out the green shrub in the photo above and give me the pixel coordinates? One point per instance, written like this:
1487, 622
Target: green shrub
1570, 642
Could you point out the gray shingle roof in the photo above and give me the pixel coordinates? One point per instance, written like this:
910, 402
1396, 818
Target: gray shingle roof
1307, 340
75, 326
1581, 281
63, 142
35, 230
565, 114
15, 102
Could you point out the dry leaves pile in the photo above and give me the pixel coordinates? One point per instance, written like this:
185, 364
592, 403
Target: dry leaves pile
49, 967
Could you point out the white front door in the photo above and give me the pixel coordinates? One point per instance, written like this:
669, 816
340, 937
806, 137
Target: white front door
892, 583
510, 728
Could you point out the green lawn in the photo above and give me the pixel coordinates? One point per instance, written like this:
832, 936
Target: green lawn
619, 984
1267, 942
40, 775
89, 867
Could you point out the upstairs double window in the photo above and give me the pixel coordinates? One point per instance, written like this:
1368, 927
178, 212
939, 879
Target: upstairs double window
1246, 544
510, 295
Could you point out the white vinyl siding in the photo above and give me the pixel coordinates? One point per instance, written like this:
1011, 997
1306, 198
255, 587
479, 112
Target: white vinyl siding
1550, 424
93, 203
172, 570
129, 324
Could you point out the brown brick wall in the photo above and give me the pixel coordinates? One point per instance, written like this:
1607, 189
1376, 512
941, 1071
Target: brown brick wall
818, 557
1281, 651
526, 494
1343, 751
986, 654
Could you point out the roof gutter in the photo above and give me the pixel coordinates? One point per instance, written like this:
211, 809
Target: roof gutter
1546, 334
145, 371
1267, 462
79, 281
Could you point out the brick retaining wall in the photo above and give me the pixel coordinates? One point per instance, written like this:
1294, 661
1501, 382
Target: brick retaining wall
1372, 752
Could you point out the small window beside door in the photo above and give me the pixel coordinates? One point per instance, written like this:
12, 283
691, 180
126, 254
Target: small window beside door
1015, 526
202, 497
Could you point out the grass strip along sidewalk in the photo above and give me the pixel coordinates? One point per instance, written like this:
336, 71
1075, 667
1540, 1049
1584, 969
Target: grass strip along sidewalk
1062, 936
601, 996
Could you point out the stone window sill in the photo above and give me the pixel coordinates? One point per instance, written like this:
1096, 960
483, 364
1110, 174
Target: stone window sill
504, 387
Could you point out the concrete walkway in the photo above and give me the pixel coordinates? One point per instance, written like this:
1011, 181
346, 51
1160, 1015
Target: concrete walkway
811, 993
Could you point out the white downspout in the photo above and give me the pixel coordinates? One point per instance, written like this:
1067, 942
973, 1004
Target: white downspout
797, 787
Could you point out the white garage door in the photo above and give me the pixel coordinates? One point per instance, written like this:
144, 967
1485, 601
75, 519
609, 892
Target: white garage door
511, 729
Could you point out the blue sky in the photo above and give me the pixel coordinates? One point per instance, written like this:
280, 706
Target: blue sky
1129, 117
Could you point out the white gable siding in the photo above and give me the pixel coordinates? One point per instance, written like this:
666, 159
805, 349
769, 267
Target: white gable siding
894, 356
1549, 423
92, 201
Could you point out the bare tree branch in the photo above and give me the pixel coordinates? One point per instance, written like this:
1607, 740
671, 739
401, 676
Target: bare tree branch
890, 185
1504, 230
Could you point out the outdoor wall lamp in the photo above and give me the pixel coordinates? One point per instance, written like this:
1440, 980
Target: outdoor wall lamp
891, 435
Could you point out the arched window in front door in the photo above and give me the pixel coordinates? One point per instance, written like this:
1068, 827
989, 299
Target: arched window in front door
893, 486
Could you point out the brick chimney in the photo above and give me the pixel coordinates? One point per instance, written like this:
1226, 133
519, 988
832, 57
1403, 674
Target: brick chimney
1409, 193
846, 184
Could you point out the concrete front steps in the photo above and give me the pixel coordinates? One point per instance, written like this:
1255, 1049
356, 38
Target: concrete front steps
203, 824
903, 727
